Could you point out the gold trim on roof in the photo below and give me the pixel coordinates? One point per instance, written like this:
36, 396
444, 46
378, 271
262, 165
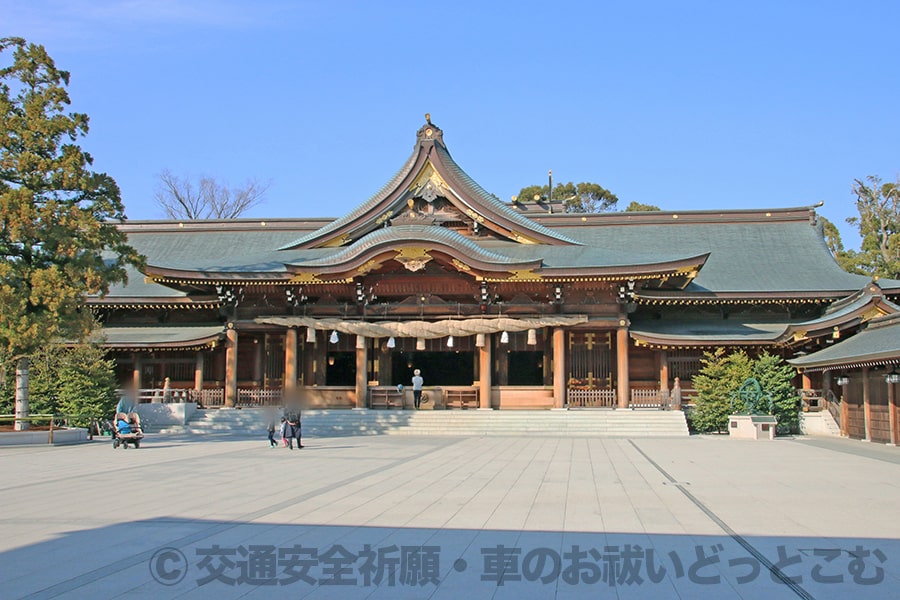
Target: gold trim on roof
306, 278
461, 265
368, 267
413, 259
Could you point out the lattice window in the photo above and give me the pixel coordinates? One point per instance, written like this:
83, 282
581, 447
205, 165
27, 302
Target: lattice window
589, 359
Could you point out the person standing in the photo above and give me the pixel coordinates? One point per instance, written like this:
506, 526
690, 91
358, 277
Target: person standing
287, 434
270, 427
417, 382
296, 423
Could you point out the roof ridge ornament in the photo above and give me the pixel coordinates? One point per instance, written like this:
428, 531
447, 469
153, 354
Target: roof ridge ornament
429, 133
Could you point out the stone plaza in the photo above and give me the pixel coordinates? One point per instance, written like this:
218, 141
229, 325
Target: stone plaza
225, 516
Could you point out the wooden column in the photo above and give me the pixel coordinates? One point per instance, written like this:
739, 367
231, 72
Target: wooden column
198, 370
362, 379
231, 347
845, 412
137, 374
664, 371
290, 359
559, 367
894, 417
622, 384
259, 358
484, 373
805, 381
867, 404
503, 364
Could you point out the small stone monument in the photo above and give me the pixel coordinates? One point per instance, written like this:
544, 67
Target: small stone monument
756, 422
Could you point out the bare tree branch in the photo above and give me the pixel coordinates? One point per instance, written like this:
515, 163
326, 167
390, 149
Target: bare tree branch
180, 198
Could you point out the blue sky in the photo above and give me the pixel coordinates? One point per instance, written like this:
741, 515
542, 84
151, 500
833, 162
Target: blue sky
686, 105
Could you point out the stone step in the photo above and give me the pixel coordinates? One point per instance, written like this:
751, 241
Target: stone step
328, 423
819, 423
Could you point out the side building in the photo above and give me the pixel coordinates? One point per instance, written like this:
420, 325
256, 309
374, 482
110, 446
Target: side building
500, 305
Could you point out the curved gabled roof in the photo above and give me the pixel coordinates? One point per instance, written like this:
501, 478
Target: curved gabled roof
433, 238
472, 201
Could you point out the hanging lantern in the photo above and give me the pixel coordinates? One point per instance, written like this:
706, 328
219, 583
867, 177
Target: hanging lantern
450, 342
310, 335
504, 337
532, 337
420, 343
391, 343
479, 340
334, 337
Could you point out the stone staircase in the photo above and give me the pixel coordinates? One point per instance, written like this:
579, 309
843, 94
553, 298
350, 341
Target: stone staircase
819, 423
250, 422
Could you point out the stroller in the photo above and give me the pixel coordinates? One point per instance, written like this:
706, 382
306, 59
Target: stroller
127, 430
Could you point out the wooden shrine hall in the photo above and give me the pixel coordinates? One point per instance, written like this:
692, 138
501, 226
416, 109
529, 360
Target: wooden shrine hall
501, 305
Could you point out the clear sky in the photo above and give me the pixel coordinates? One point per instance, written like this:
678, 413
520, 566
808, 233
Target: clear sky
686, 105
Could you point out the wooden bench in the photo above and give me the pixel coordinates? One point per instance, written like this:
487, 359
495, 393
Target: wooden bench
385, 398
461, 399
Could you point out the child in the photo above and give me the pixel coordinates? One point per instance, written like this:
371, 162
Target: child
287, 434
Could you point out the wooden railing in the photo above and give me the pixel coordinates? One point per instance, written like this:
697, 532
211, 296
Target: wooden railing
833, 403
256, 397
576, 398
649, 398
208, 398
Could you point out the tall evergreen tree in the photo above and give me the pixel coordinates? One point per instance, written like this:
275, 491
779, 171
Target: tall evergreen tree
879, 226
58, 241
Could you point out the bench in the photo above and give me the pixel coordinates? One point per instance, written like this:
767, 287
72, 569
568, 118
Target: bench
461, 399
385, 398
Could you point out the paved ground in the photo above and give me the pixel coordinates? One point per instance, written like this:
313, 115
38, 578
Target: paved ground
385, 517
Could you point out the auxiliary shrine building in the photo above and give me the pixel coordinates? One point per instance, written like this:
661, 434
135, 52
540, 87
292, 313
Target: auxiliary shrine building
500, 305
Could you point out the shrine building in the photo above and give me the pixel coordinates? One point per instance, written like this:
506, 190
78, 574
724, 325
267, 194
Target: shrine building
500, 305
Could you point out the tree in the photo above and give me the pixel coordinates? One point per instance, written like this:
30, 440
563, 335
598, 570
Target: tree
639, 207
584, 197
71, 380
775, 377
59, 242
879, 226
721, 375
847, 259
208, 199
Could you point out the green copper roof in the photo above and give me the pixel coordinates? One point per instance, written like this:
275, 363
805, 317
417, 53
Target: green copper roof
679, 331
878, 342
162, 336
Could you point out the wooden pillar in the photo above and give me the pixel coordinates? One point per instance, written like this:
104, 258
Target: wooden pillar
663, 371
623, 388
198, 370
894, 417
231, 348
137, 374
805, 381
559, 367
867, 404
259, 357
362, 378
502, 364
290, 359
484, 373
845, 412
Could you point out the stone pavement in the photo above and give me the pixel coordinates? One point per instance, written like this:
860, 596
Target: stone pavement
445, 518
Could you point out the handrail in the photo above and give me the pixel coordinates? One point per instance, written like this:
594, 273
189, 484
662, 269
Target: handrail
94, 424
